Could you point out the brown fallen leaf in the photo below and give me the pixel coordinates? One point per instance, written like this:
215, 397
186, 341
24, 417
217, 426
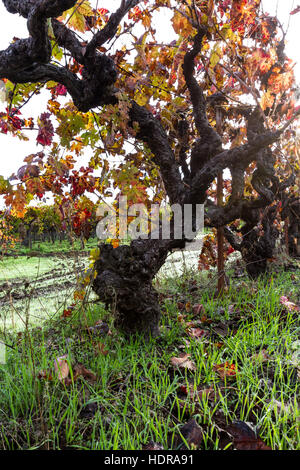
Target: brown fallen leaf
192, 434
204, 319
183, 361
180, 306
80, 371
197, 309
180, 318
202, 394
198, 393
196, 332
61, 367
244, 438
289, 305
44, 375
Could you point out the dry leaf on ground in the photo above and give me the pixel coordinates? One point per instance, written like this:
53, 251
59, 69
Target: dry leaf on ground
192, 433
80, 371
61, 367
244, 438
183, 361
289, 305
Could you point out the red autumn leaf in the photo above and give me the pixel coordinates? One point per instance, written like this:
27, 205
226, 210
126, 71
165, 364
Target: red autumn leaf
46, 130
61, 90
230, 250
225, 370
66, 313
196, 332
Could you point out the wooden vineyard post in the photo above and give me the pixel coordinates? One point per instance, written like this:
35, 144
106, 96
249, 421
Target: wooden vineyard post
220, 230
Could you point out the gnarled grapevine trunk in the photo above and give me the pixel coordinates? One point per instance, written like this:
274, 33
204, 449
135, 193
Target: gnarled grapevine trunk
258, 241
258, 244
124, 282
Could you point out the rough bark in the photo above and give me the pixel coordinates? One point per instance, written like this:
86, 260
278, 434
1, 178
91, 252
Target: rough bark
124, 281
292, 214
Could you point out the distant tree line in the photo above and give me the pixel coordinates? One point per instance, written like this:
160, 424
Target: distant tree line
48, 224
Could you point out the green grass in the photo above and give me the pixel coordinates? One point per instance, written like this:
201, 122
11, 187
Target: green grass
23, 267
138, 396
45, 248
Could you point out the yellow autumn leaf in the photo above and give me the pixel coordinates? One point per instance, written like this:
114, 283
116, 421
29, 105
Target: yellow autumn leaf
77, 22
95, 253
76, 16
267, 100
141, 98
215, 56
85, 8
181, 25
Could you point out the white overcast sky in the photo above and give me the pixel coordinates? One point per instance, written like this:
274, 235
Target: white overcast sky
13, 151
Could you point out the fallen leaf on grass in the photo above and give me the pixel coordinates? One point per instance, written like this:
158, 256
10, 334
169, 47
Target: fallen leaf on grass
197, 309
196, 332
198, 393
180, 306
68, 311
61, 367
204, 319
222, 330
180, 318
282, 408
225, 370
244, 438
183, 361
62, 371
192, 434
43, 374
289, 305
80, 371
